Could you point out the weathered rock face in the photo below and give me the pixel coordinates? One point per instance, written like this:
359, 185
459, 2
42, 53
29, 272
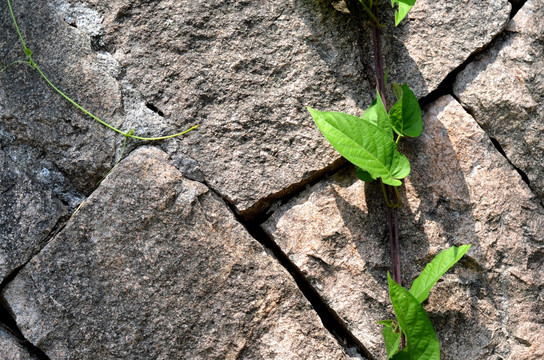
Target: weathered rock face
155, 266
34, 197
504, 89
438, 36
460, 191
245, 71
11, 348
32, 113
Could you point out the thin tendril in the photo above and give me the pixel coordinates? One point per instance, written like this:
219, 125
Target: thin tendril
13, 63
16, 26
34, 65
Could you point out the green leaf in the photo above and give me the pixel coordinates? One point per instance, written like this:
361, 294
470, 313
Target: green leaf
403, 9
434, 270
405, 115
391, 337
398, 90
371, 113
421, 340
377, 114
403, 355
28, 52
363, 175
364, 145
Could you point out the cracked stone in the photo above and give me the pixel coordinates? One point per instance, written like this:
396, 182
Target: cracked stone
11, 348
155, 266
460, 191
246, 70
504, 90
33, 199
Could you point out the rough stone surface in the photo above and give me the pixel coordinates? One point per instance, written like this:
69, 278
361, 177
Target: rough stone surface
504, 90
460, 191
11, 348
31, 113
245, 70
33, 199
438, 36
154, 266
117, 282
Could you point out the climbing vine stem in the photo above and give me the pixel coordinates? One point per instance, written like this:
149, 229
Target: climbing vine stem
392, 207
33, 64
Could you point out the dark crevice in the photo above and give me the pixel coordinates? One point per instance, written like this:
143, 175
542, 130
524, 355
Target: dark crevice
97, 43
59, 225
446, 86
155, 109
330, 319
259, 212
8, 322
7, 319
521, 173
516, 6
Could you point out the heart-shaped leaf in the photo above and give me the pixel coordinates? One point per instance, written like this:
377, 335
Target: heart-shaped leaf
363, 175
364, 145
403, 9
377, 115
405, 115
421, 340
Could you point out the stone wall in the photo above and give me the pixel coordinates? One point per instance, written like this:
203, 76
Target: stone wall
250, 237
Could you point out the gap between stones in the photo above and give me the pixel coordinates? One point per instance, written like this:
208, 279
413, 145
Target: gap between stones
516, 6
154, 108
446, 88
6, 317
261, 210
259, 213
329, 318
9, 323
521, 173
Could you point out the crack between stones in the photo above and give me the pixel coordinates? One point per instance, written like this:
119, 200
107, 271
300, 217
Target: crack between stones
446, 88
332, 322
252, 220
516, 6
261, 210
8, 322
154, 108
57, 228
521, 173
6, 317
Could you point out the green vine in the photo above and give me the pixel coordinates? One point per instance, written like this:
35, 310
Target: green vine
32, 63
370, 142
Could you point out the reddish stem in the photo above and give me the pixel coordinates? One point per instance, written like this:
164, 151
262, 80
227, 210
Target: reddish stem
397, 245
378, 57
393, 230
391, 243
